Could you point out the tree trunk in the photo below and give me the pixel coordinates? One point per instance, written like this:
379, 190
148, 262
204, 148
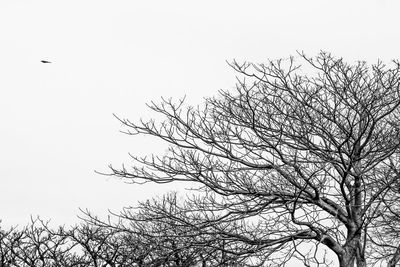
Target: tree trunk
396, 258
361, 263
346, 261
350, 259
348, 256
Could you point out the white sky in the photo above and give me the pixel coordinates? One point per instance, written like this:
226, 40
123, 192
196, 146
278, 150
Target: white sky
56, 123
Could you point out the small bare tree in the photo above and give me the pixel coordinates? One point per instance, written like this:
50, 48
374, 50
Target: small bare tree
165, 240
295, 161
35, 245
385, 234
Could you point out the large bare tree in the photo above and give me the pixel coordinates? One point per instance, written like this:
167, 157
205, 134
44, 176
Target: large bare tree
301, 158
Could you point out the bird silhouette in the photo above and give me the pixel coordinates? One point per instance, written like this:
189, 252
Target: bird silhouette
45, 61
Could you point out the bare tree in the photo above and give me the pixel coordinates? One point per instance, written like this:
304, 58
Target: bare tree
297, 160
93, 243
35, 245
165, 240
385, 234
7, 258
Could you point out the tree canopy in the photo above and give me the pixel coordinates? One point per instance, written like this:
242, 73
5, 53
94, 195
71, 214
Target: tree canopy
304, 153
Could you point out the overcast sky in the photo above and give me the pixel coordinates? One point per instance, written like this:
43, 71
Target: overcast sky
56, 123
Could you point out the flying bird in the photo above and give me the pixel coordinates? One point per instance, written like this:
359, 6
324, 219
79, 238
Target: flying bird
45, 61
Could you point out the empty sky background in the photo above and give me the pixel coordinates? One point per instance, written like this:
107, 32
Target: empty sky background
56, 123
